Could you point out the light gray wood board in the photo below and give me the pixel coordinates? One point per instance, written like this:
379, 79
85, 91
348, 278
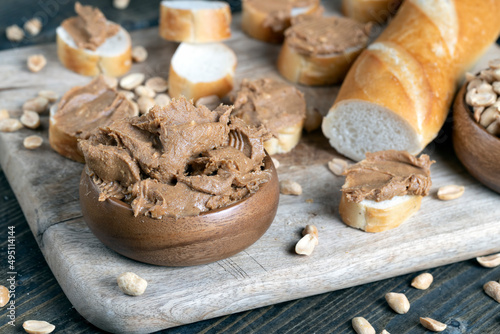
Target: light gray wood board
268, 272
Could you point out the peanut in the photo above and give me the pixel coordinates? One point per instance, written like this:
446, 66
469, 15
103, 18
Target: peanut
432, 325
131, 284
422, 281
10, 125
362, 326
492, 289
38, 327
162, 100
120, 4
4, 296
131, 81
450, 192
310, 229
32, 142
139, 54
211, 101
398, 302
4, 113
30, 119
384, 332
135, 108
128, 94
14, 33
36, 63
289, 187
489, 261
33, 26
51, 96
157, 84
306, 244
37, 104
338, 166
145, 103
495, 63
144, 91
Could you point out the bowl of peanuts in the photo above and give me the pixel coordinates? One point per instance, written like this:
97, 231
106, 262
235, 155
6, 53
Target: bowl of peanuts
476, 126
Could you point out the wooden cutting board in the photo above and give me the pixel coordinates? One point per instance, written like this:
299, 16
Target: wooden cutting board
268, 272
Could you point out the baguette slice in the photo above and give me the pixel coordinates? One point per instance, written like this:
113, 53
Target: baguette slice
198, 70
113, 58
398, 92
372, 216
286, 140
195, 21
62, 142
376, 11
253, 20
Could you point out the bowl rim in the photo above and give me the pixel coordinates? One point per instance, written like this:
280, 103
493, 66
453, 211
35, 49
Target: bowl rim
268, 164
468, 110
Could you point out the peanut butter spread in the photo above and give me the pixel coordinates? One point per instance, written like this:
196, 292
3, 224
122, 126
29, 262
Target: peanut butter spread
314, 35
279, 12
177, 160
90, 28
385, 174
271, 103
84, 109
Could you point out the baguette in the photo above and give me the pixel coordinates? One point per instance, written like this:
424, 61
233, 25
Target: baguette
198, 70
384, 190
320, 50
398, 92
267, 20
195, 21
102, 46
376, 11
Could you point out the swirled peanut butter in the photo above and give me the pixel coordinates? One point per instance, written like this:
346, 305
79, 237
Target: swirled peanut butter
314, 35
82, 110
179, 160
385, 174
274, 104
279, 12
89, 29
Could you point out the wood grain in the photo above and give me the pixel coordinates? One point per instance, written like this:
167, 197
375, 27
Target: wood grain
268, 272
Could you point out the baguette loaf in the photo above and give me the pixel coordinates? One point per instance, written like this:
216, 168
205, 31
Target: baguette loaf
195, 21
198, 70
398, 92
376, 11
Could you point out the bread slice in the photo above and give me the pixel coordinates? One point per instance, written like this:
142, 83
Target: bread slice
377, 11
253, 20
195, 21
286, 140
62, 142
372, 216
112, 58
198, 70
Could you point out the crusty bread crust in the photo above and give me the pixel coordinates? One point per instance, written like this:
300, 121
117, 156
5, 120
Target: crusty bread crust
91, 64
287, 139
179, 86
63, 143
377, 11
413, 68
195, 26
371, 219
315, 70
252, 23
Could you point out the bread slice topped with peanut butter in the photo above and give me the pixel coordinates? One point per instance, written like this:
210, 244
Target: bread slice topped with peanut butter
280, 107
319, 50
81, 111
384, 190
89, 44
266, 20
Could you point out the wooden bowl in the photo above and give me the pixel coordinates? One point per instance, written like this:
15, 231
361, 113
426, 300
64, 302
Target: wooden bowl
477, 149
186, 241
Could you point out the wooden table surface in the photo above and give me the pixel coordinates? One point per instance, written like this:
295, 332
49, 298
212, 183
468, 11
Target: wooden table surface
456, 296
